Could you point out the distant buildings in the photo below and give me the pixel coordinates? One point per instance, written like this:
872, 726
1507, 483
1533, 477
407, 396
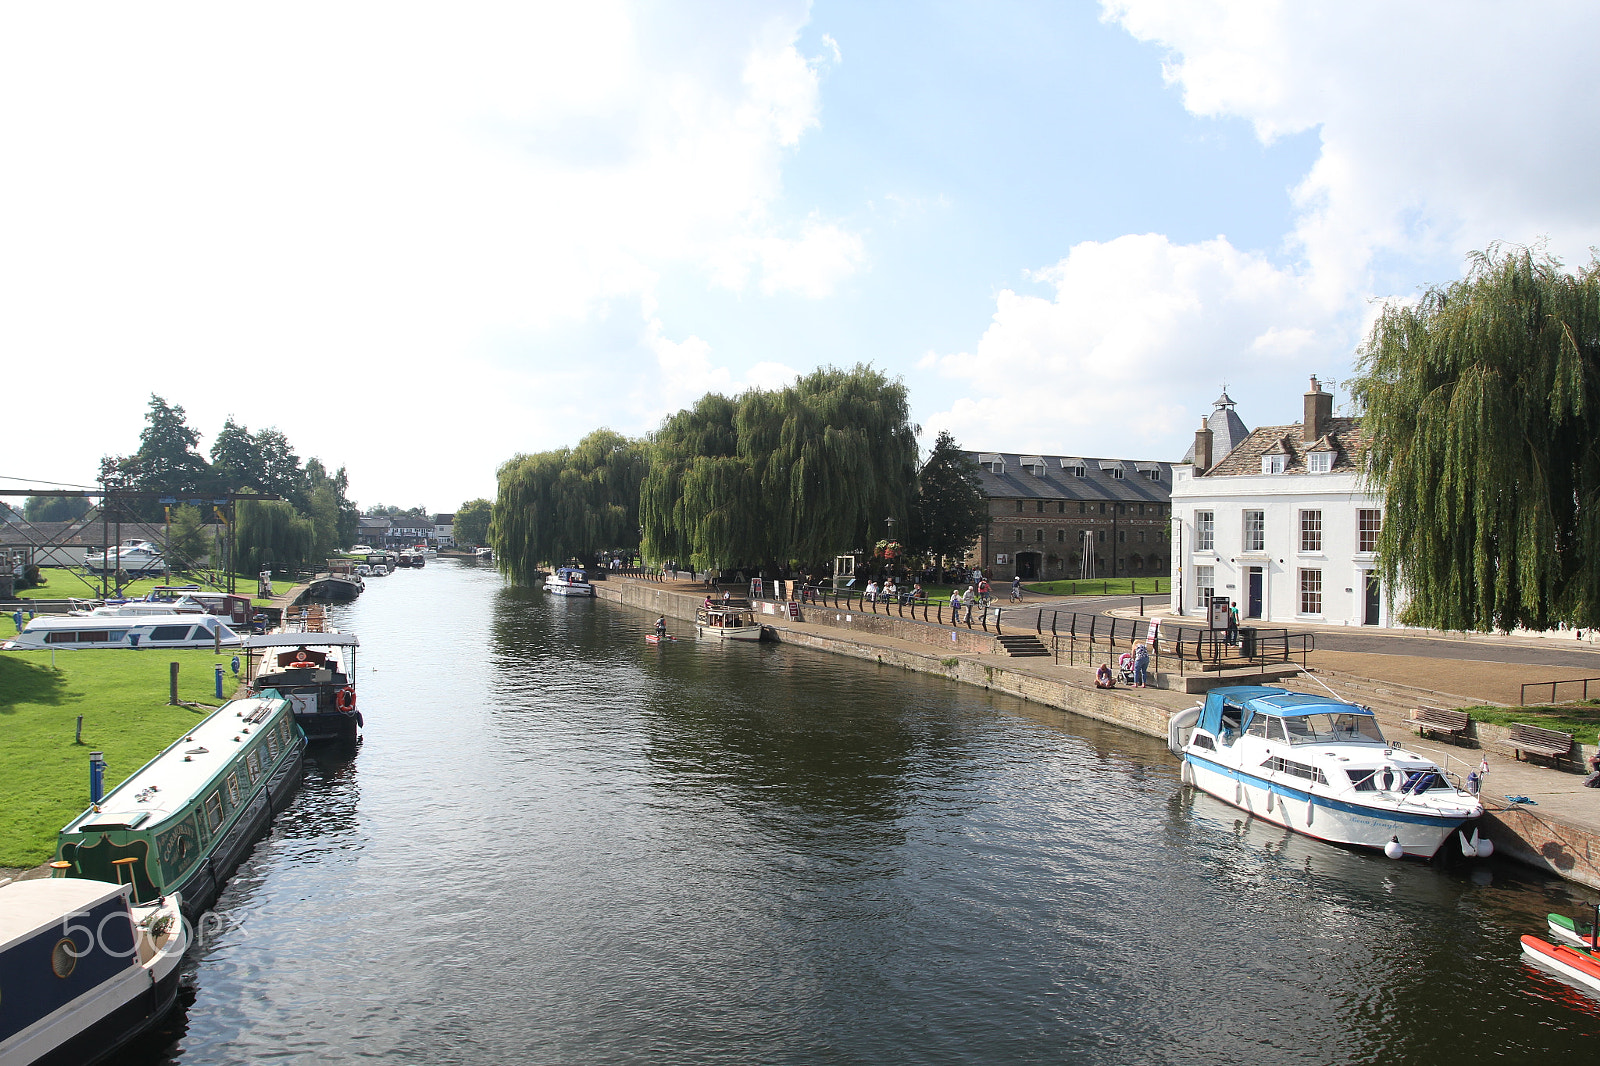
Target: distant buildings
1062, 516
1279, 522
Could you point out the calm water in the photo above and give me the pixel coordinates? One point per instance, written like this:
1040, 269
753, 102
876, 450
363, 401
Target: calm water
560, 844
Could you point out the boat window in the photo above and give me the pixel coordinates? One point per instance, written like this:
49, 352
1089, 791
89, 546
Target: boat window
1334, 729
169, 632
61, 636
253, 764
272, 745
233, 789
1266, 726
1362, 779
1203, 741
93, 636
214, 810
1232, 719
1295, 769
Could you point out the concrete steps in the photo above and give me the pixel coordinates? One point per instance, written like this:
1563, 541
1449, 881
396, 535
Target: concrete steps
1023, 645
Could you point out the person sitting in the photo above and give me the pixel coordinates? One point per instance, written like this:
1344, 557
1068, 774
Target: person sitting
1103, 678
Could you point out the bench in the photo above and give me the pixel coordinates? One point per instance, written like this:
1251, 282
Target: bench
1537, 740
1428, 720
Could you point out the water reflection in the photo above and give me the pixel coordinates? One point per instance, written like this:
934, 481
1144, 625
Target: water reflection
560, 844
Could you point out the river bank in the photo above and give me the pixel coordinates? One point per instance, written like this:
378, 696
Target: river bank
1558, 832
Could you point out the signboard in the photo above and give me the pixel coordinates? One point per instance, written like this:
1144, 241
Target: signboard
1155, 630
1000, 559
1219, 612
794, 611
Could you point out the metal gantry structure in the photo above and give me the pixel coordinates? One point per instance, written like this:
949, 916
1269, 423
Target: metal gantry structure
115, 504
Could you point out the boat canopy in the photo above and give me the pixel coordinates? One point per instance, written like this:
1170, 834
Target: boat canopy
301, 640
1236, 705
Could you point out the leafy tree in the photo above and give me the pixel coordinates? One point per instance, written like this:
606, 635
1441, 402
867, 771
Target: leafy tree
472, 522
189, 540
1482, 409
271, 534
793, 475
54, 508
569, 503
166, 456
236, 458
280, 467
950, 510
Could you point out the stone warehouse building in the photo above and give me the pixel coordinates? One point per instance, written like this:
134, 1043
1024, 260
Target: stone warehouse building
1061, 516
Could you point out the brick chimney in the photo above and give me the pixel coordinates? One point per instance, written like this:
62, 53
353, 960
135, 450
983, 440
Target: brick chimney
1319, 412
1202, 448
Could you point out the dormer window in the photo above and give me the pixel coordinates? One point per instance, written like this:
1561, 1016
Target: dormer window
1116, 472
1033, 464
1112, 468
1149, 470
1075, 467
992, 462
1272, 464
1319, 462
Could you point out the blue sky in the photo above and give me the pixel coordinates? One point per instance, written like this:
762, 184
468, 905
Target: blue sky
421, 240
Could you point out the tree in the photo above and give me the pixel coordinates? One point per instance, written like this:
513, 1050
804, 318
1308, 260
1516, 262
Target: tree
568, 503
280, 467
471, 524
1482, 409
189, 542
793, 475
950, 510
54, 508
271, 534
166, 456
236, 458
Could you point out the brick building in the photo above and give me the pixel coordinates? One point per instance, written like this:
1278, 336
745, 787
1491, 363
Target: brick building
1054, 517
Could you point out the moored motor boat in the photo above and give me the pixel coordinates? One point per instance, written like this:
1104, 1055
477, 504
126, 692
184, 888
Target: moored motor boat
1321, 767
1570, 963
67, 632
569, 581
85, 969
132, 557
728, 620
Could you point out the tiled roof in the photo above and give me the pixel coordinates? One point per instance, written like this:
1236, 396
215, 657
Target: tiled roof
1058, 483
1344, 435
1227, 430
77, 534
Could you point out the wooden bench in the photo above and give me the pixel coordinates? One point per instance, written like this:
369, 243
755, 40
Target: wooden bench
1455, 724
1537, 740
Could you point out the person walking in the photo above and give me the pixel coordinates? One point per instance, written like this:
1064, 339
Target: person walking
967, 599
955, 606
1016, 588
1141, 663
1233, 625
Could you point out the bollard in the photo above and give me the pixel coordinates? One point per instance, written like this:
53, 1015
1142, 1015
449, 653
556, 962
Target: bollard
97, 776
172, 700
17, 618
219, 681
78, 737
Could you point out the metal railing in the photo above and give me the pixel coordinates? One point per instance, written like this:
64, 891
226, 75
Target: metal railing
979, 615
1522, 697
1102, 638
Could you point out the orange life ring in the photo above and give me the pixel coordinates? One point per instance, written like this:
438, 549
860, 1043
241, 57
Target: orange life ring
302, 666
345, 700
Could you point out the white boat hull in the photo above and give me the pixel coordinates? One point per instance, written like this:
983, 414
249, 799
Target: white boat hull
561, 589
1321, 817
729, 633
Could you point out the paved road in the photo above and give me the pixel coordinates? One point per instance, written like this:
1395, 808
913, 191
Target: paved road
1556, 651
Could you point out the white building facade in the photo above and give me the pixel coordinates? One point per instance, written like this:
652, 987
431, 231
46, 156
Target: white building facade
1281, 525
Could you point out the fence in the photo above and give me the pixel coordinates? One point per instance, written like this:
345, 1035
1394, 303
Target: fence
1102, 638
1522, 698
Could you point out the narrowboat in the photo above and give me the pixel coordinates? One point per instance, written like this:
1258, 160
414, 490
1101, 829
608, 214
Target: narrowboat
1321, 767
185, 820
569, 581
339, 584
83, 968
69, 632
316, 673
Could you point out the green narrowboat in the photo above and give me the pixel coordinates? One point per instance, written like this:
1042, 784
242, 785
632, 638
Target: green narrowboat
187, 818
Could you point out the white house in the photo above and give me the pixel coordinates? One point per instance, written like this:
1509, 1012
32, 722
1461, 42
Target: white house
1280, 525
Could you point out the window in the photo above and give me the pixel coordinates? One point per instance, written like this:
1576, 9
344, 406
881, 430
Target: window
61, 636
1310, 531
169, 632
213, 811
1061, 507
1122, 536
1102, 508
1369, 523
1141, 508
1319, 462
232, 781
1272, 464
1102, 537
1038, 536
1311, 592
1141, 536
1039, 506
1083, 508
1205, 581
1019, 506
1205, 534
252, 762
1122, 508
1116, 472
1255, 531
1061, 536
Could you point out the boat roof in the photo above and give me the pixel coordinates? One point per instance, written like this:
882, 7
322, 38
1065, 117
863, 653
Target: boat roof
165, 785
302, 640
30, 907
125, 621
1266, 699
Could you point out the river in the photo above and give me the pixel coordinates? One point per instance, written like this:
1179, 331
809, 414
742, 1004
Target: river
559, 844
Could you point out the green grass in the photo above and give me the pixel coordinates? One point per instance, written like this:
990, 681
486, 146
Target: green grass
1582, 720
122, 695
69, 584
1111, 586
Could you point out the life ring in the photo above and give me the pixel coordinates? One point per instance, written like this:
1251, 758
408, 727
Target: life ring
345, 700
302, 666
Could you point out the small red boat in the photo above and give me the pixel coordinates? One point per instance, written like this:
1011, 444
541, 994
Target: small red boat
1573, 964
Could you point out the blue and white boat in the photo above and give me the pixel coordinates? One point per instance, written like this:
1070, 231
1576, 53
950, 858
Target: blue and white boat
1321, 767
569, 581
83, 969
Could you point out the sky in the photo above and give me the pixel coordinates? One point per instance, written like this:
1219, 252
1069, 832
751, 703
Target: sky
421, 239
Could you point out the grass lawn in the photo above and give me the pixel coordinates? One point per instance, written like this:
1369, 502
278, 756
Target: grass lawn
122, 695
1111, 586
70, 584
1582, 720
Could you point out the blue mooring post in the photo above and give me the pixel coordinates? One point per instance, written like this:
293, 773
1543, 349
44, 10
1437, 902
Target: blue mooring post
97, 776
219, 681
17, 618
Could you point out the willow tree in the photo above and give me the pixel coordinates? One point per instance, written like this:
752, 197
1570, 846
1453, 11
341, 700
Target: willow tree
571, 503
1483, 412
791, 475
271, 534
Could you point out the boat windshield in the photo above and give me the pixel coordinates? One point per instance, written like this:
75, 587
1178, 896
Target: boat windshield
1334, 729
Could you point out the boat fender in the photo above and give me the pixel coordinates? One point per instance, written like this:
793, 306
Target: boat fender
345, 699
1393, 849
360, 721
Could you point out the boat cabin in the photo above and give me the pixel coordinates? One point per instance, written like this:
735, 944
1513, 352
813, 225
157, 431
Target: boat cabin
67, 632
1287, 717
